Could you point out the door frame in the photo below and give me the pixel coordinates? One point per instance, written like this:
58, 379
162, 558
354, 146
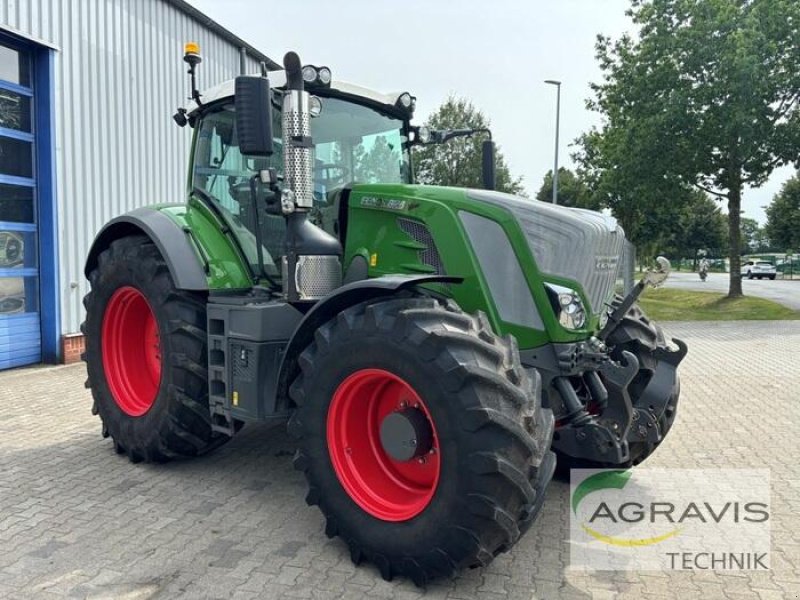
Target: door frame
44, 143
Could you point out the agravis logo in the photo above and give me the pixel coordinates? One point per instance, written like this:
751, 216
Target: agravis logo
616, 480
670, 518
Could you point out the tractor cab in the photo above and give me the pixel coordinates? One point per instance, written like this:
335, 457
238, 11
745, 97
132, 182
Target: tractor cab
359, 136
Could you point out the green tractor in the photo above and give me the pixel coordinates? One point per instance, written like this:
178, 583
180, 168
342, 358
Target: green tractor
434, 350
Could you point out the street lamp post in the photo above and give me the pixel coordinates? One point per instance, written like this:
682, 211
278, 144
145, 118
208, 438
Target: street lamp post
558, 118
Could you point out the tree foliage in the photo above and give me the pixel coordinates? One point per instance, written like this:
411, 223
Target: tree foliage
458, 161
700, 225
572, 190
750, 231
783, 217
705, 95
379, 164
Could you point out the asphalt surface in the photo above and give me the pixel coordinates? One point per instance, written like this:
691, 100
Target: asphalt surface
78, 521
783, 291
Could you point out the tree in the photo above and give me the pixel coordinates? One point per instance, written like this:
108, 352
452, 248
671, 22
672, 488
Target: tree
572, 190
379, 163
647, 201
705, 95
783, 217
750, 233
700, 226
458, 161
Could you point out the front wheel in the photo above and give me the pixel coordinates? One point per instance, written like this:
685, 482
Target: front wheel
422, 438
146, 356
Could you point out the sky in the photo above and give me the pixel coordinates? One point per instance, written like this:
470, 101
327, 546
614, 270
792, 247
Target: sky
495, 53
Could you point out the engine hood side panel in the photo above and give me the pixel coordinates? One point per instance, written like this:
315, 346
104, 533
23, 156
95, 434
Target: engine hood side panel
569, 243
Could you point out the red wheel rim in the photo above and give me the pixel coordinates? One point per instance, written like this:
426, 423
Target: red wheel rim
131, 351
386, 488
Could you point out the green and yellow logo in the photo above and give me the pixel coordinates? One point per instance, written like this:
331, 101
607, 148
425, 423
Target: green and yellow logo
611, 480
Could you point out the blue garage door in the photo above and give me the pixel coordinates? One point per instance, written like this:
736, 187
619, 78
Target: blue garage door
20, 328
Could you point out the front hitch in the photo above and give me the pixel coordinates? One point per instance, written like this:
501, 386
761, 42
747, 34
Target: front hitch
603, 438
617, 417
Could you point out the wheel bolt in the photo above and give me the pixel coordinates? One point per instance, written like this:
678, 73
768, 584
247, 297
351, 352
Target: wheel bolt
432, 451
422, 460
403, 404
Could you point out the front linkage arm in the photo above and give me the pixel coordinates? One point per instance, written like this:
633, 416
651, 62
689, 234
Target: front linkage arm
652, 278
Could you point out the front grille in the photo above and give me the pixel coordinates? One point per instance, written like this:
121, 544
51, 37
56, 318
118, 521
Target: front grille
581, 245
419, 233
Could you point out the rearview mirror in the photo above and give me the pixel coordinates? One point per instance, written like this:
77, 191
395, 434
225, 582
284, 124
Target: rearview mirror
253, 115
488, 171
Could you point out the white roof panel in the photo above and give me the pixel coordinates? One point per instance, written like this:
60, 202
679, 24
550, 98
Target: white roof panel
277, 79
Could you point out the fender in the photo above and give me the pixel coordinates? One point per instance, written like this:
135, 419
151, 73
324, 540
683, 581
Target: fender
173, 243
329, 307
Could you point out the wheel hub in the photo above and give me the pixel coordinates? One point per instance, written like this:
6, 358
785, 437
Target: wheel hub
383, 444
131, 351
406, 434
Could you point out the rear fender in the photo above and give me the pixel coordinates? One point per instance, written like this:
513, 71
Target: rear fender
184, 264
329, 307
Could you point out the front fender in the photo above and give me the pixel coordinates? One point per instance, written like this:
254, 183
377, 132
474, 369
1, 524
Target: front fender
173, 243
329, 307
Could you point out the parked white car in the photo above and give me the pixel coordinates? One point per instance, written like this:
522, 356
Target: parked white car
758, 269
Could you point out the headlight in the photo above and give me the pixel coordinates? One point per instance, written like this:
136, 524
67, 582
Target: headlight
309, 74
567, 305
316, 76
314, 106
424, 134
324, 75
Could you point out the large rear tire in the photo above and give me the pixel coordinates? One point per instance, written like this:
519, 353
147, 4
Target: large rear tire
481, 478
146, 356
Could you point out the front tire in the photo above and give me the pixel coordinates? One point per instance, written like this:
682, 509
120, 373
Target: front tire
146, 356
481, 479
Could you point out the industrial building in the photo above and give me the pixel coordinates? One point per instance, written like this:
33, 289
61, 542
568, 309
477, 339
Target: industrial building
87, 93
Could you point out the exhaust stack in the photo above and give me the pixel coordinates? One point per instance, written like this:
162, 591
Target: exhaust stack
297, 144
312, 266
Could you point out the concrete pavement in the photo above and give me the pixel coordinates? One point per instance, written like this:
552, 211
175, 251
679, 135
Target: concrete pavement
78, 521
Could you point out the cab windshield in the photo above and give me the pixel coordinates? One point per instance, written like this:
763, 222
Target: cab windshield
353, 143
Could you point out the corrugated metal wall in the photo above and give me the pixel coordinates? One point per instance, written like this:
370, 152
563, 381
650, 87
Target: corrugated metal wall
119, 78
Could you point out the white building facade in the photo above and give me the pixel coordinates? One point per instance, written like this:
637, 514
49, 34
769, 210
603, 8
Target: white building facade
87, 93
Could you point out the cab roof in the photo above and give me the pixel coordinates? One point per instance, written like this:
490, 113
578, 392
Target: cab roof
277, 79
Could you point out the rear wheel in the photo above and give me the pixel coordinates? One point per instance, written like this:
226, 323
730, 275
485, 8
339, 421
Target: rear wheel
421, 436
146, 356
